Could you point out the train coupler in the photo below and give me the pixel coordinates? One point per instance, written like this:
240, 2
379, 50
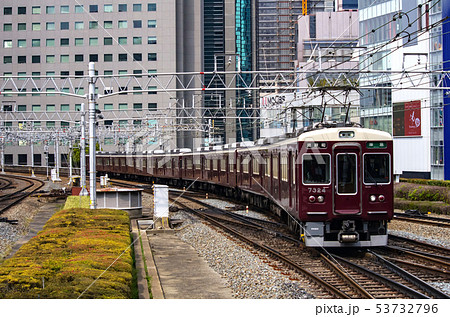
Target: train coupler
348, 234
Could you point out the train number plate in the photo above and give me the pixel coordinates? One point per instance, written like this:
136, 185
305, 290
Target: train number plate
316, 190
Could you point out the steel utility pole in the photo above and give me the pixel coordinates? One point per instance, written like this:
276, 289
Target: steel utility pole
92, 161
83, 191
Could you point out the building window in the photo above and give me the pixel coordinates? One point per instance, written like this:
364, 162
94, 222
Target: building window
35, 10
50, 59
36, 26
93, 57
137, 106
50, 124
64, 58
93, 25
151, 24
51, 108
123, 24
122, 40
79, 57
21, 59
93, 8
21, 107
7, 44
21, 26
108, 24
137, 24
50, 9
21, 43
152, 57
79, 73
7, 27
35, 42
64, 73
50, 26
36, 108
36, 59
151, 40
64, 42
22, 10
137, 40
107, 41
22, 159
151, 7
50, 42
108, 106
152, 106
65, 107
123, 106
7, 59
78, 107
79, 25
122, 8
64, 25
108, 8
93, 41
64, 124
7, 11
151, 90
137, 7
79, 8
107, 57
137, 72
64, 9
137, 57
123, 57
79, 41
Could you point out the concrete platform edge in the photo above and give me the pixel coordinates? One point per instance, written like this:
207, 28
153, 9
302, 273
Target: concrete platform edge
140, 268
156, 288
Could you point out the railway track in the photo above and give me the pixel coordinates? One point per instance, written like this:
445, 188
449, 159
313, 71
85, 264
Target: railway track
18, 188
423, 219
337, 278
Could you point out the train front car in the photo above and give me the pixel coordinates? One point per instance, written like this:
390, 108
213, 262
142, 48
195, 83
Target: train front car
346, 195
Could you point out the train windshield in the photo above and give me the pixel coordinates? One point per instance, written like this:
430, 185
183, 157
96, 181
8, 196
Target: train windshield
316, 169
376, 169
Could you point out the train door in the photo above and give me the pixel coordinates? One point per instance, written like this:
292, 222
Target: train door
347, 186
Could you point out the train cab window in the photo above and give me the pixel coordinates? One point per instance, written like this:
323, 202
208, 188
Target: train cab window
376, 169
347, 178
316, 169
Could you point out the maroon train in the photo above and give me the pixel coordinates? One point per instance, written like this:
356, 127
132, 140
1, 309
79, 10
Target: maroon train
334, 185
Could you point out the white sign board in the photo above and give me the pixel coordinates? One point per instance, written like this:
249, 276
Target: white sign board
161, 199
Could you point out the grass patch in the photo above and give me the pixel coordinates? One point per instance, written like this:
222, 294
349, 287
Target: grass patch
77, 202
74, 249
431, 182
147, 276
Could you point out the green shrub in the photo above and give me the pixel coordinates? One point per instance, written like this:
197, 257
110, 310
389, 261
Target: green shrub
437, 207
422, 192
75, 248
431, 182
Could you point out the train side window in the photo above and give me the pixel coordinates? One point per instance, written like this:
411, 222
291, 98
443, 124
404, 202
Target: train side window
268, 166
377, 169
284, 170
214, 164
238, 164
189, 163
245, 164
207, 163
197, 162
316, 169
293, 169
275, 167
255, 166
231, 162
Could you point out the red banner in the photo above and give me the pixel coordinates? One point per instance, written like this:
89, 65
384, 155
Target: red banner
413, 121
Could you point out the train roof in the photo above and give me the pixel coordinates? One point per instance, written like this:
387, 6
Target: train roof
344, 134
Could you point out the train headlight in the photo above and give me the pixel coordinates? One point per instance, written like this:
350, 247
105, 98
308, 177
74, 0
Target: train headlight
381, 198
312, 199
320, 199
373, 198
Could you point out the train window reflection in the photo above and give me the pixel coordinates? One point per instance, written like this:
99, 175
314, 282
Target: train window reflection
346, 173
376, 169
316, 169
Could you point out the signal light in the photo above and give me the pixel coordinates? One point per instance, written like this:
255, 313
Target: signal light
312, 199
320, 199
373, 198
381, 198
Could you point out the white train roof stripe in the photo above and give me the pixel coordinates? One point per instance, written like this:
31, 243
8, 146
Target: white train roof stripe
332, 134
